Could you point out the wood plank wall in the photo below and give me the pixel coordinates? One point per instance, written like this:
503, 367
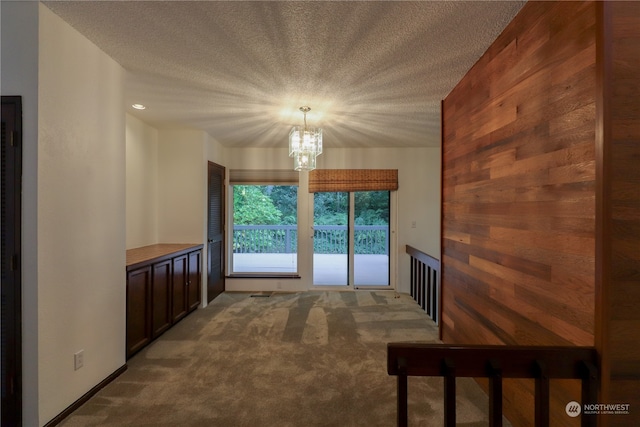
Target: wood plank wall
618, 261
519, 200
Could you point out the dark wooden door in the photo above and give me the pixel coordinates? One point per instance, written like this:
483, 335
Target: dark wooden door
10, 259
215, 233
138, 318
161, 298
179, 288
194, 282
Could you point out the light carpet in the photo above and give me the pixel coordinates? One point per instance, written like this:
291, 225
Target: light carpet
280, 359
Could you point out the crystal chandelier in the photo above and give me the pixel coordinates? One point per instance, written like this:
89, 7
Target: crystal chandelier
305, 144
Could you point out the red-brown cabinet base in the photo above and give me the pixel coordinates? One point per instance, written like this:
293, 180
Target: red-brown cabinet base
163, 286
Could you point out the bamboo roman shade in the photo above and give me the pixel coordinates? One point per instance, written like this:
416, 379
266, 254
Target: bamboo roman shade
352, 180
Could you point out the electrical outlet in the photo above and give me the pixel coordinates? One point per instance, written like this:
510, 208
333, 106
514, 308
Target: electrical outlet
413, 224
78, 360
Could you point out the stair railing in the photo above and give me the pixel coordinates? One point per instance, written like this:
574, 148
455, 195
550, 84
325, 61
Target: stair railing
495, 363
425, 282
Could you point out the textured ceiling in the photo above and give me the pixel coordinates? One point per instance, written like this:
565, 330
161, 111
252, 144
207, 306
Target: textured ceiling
373, 73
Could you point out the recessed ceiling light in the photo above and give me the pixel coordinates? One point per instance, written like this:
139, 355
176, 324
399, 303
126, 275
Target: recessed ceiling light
138, 106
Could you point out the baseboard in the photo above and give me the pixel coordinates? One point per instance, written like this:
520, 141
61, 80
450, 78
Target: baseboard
78, 403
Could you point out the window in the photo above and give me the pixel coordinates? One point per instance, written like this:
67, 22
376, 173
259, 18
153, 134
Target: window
265, 228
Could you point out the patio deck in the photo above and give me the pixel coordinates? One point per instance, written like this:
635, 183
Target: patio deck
328, 269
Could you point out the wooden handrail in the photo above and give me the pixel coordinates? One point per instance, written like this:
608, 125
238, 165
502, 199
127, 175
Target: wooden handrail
423, 257
495, 363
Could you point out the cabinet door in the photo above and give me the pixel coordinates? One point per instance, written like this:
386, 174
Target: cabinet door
179, 288
194, 283
138, 319
161, 298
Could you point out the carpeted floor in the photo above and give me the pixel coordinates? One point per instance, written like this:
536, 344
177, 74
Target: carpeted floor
281, 359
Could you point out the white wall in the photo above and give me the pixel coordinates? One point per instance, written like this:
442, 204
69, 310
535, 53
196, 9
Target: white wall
19, 76
216, 153
142, 183
81, 215
167, 185
418, 201
181, 185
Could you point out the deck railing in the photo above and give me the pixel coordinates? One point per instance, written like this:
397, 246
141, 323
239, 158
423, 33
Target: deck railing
495, 363
265, 239
425, 282
328, 239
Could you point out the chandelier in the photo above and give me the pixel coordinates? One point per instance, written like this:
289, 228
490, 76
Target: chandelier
305, 144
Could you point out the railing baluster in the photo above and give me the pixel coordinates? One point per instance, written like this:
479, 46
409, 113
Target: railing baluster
420, 284
449, 372
436, 297
495, 393
412, 277
403, 407
429, 293
423, 286
418, 265
541, 395
589, 392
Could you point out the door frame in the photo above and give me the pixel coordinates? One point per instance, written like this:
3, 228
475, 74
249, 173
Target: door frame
11, 262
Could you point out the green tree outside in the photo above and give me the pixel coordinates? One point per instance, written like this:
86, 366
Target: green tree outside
277, 205
251, 206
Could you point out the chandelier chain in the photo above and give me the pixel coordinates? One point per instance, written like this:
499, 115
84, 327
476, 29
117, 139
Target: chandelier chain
305, 110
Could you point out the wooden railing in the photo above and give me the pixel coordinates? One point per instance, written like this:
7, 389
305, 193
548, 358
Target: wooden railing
494, 362
328, 239
425, 282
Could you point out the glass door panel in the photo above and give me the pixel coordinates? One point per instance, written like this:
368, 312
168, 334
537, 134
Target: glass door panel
331, 239
371, 238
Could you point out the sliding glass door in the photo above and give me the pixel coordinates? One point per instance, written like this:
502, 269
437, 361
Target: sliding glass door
371, 238
331, 239
351, 238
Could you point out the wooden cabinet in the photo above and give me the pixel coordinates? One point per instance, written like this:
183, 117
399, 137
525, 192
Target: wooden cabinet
138, 288
179, 286
163, 286
160, 298
194, 281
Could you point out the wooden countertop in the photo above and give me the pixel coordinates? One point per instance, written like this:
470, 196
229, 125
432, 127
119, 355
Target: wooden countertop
152, 252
